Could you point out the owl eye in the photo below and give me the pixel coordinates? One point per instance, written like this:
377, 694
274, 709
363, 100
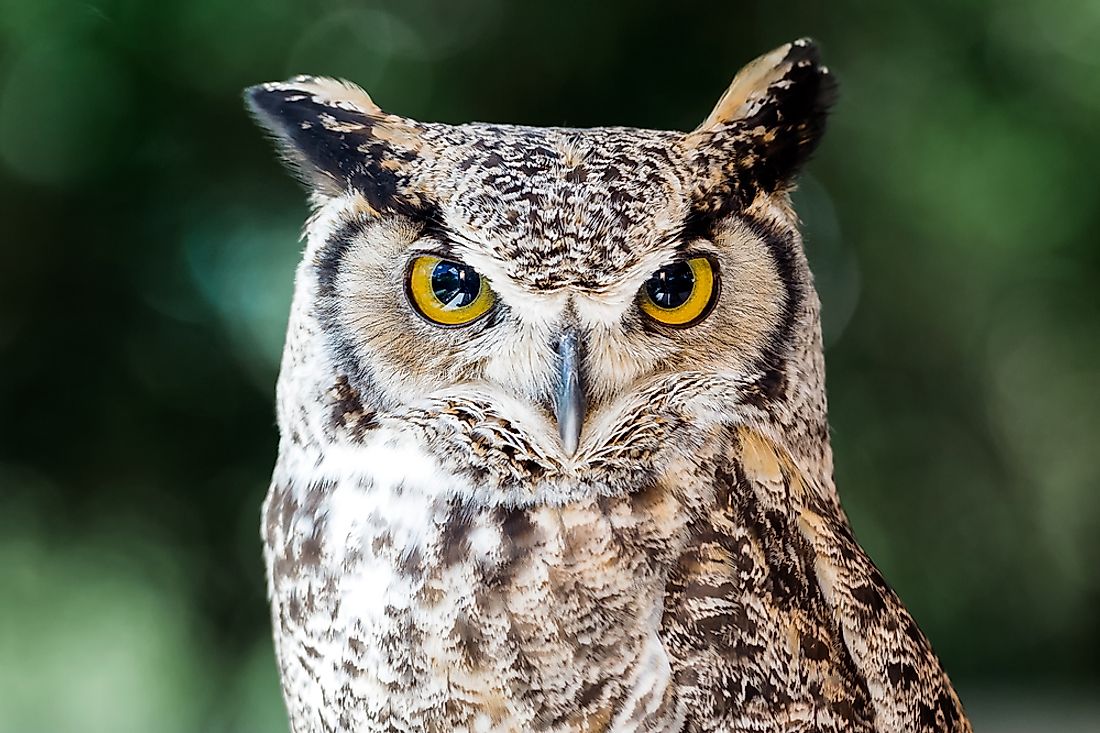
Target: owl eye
682, 293
447, 293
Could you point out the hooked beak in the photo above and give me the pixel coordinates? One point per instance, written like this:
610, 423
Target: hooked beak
569, 392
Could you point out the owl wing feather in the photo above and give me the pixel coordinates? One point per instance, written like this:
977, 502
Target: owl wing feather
776, 619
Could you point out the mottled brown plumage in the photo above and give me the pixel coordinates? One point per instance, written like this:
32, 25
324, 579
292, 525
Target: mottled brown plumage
440, 557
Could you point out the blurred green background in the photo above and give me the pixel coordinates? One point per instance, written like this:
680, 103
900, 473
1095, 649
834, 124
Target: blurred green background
149, 236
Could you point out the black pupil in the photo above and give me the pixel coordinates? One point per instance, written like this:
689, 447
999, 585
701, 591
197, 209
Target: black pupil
455, 285
671, 286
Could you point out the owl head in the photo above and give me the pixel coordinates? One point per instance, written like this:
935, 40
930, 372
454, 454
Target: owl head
549, 302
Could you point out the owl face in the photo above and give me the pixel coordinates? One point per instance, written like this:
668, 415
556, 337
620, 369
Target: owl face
570, 279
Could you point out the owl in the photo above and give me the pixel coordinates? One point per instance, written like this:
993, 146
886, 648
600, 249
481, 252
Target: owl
554, 450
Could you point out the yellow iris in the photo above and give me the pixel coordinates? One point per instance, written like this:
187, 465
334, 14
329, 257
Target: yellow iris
447, 293
682, 293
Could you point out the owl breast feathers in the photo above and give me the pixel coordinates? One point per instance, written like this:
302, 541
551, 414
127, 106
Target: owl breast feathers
554, 451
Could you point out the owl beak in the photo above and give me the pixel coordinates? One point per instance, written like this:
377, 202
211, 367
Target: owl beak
569, 393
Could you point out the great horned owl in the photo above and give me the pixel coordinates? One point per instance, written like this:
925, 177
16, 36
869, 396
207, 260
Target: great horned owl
554, 452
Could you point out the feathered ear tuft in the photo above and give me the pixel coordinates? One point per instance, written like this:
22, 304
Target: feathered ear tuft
766, 125
335, 138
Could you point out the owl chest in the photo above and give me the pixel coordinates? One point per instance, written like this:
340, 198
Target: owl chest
424, 604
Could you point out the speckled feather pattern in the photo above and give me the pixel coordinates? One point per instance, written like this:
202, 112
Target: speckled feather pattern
437, 562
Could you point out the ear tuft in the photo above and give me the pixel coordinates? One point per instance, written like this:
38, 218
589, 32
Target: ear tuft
766, 80
768, 122
336, 138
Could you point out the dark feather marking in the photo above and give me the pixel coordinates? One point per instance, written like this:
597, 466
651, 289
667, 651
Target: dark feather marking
326, 142
454, 540
328, 263
783, 249
347, 413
